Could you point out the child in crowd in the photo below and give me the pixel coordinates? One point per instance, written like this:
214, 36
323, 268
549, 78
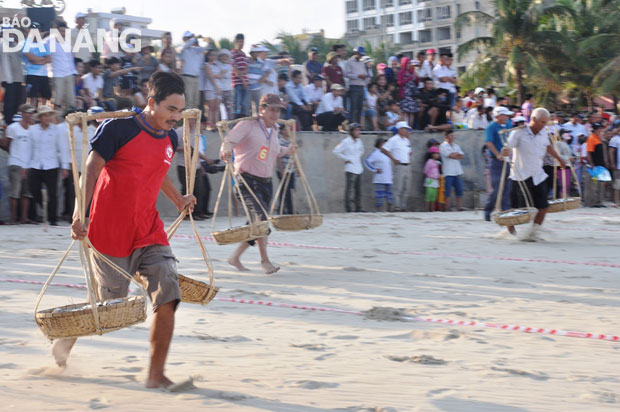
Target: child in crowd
393, 115
111, 77
141, 96
381, 165
82, 102
225, 81
371, 105
431, 172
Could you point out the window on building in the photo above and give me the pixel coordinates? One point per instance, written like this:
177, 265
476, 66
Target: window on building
352, 25
425, 15
458, 9
462, 69
405, 37
443, 12
404, 2
425, 36
387, 20
457, 33
387, 3
477, 5
369, 5
369, 23
444, 33
405, 18
352, 6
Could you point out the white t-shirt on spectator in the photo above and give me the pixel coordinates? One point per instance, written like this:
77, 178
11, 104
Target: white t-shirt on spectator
615, 143
328, 103
450, 166
63, 63
371, 101
92, 84
443, 71
399, 147
21, 145
314, 94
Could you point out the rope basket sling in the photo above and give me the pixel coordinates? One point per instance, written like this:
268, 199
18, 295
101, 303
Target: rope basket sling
95, 316
255, 228
192, 291
294, 222
514, 216
563, 203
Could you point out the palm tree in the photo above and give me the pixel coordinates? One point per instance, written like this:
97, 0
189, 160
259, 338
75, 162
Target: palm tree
378, 53
226, 43
518, 36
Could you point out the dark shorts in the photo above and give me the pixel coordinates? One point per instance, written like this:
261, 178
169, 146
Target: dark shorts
538, 194
455, 182
263, 189
38, 86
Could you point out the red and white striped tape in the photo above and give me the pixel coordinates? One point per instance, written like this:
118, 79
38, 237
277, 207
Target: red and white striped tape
500, 326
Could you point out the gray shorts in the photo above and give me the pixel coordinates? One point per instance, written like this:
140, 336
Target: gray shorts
616, 184
157, 268
19, 184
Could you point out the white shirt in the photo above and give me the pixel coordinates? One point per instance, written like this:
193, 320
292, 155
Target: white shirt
371, 101
476, 121
314, 93
21, 145
443, 71
615, 143
92, 84
426, 71
351, 150
49, 149
179, 157
378, 160
192, 57
271, 77
450, 166
575, 130
63, 63
399, 147
528, 150
63, 130
225, 82
490, 102
328, 103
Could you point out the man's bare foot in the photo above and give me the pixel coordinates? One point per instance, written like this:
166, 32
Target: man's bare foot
234, 261
159, 382
268, 268
61, 350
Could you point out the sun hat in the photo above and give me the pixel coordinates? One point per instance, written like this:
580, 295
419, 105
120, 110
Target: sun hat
330, 56
44, 110
500, 110
336, 86
271, 100
256, 48
401, 125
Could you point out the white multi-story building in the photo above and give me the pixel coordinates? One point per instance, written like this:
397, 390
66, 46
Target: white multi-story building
414, 25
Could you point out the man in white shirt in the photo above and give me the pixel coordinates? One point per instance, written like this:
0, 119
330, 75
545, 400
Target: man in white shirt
477, 118
428, 65
446, 76
351, 149
192, 59
575, 129
80, 30
63, 68
357, 73
398, 148
614, 159
48, 157
529, 146
17, 142
314, 91
330, 113
93, 81
451, 156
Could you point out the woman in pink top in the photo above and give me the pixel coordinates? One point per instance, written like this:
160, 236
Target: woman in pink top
431, 171
256, 147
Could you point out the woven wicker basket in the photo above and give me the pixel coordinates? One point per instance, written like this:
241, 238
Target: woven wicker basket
62, 322
292, 223
242, 233
514, 217
195, 291
561, 205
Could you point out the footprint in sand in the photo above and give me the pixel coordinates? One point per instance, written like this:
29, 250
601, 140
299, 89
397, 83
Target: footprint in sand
314, 347
133, 369
324, 357
601, 396
346, 337
422, 359
536, 376
130, 358
316, 385
8, 366
99, 403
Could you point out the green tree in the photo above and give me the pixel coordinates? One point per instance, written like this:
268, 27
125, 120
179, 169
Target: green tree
378, 53
519, 36
226, 43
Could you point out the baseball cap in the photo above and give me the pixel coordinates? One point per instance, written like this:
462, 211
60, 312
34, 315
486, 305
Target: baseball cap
256, 48
596, 126
354, 126
433, 149
79, 15
318, 77
479, 90
500, 110
401, 125
271, 100
361, 50
313, 49
336, 86
431, 51
26, 108
366, 59
188, 34
517, 119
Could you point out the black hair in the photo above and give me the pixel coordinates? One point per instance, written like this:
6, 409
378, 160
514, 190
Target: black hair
391, 103
123, 103
446, 54
77, 60
94, 63
112, 60
144, 81
529, 96
295, 73
421, 53
424, 80
337, 47
167, 33
372, 84
480, 107
283, 76
378, 141
239, 36
207, 54
60, 24
164, 84
400, 56
448, 132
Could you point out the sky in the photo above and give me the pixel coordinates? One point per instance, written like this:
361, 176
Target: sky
258, 20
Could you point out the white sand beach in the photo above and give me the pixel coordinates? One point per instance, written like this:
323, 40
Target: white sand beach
261, 358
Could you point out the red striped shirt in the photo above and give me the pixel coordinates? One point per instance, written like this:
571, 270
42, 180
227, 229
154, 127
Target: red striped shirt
240, 62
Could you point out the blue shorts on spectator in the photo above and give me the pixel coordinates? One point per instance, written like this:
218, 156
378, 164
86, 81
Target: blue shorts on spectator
383, 191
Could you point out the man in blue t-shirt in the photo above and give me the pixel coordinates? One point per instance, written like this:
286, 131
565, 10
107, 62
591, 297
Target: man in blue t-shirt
36, 57
312, 66
494, 144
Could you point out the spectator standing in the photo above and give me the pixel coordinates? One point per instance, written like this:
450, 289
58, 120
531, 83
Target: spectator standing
398, 148
381, 165
240, 78
63, 67
287, 191
330, 113
312, 67
427, 67
495, 143
225, 81
49, 155
147, 62
167, 51
408, 83
391, 71
446, 76
11, 76
357, 73
451, 156
36, 57
614, 160
211, 87
594, 192
192, 59
370, 105
258, 71
527, 107
93, 83
80, 32
575, 128
299, 101
333, 73
17, 141
129, 81
167, 61
351, 149
432, 176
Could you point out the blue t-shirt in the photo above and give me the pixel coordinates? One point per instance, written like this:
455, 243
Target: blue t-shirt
492, 134
255, 72
313, 68
35, 69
